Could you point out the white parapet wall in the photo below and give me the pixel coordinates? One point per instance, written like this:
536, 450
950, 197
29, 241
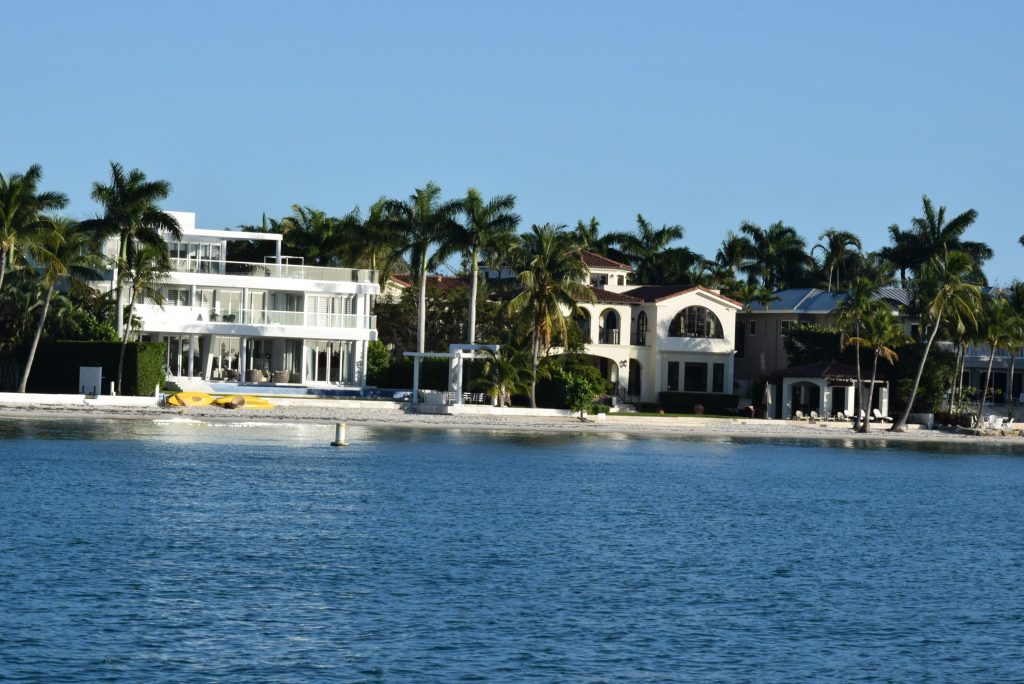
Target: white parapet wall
19, 399
484, 410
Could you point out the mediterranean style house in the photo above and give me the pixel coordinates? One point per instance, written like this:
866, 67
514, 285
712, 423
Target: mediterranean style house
651, 339
277, 321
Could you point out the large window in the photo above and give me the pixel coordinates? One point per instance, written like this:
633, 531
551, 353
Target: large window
695, 377
695, 321
718, 377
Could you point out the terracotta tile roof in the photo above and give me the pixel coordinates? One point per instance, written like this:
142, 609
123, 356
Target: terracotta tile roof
658, 293
608, 297
593, 260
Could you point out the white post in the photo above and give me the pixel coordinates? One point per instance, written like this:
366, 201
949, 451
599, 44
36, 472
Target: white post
339, 435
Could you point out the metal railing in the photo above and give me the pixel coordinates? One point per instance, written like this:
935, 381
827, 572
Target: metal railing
300, 271
609, 336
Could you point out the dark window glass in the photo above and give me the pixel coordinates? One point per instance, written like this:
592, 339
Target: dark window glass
718, 377
673, 376
695, 377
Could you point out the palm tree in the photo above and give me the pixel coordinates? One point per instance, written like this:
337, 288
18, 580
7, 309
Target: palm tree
423, 220
997, 326
552, 281
644, 247
487, 225
933, 234
881, 332
144, 269
504, 374
904, 253
732, 254
840, 249
21, 212
860, 305
130, 213
62, 252
777, 255
1015, 338
946, 293
312, 234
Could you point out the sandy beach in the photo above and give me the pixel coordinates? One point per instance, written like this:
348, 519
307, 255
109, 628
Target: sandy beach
361, 415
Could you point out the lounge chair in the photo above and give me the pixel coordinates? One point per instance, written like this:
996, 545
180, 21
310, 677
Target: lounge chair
840, 416
799, 415
877, 417
814, 417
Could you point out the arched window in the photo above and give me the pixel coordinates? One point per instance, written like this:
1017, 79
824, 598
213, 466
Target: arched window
695, 321
641, 328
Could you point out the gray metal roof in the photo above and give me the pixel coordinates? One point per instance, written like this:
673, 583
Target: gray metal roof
808, 300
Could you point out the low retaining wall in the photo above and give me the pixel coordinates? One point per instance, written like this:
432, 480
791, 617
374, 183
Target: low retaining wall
484, 410
19, 399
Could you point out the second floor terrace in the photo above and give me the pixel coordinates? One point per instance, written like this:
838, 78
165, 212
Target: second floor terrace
289, 268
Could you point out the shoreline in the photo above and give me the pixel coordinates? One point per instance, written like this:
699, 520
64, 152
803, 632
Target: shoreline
697, 427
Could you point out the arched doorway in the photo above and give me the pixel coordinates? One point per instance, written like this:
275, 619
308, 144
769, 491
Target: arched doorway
609, 330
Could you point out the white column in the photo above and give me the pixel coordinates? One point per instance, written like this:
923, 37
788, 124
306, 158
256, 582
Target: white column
191, 352
242, 359
277, 251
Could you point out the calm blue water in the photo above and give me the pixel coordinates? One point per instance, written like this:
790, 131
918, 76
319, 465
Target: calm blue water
213, 554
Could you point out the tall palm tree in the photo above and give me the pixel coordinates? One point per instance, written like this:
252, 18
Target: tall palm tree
424, 221
644, 247
840, 249
858, 306
732, 254
947, 294
312, 234
487, 224
372, 242
1015, 338
934, 234
997, 326
777, 256
22, 209
130, 213
62, 252
144, 269
552, 280
881, 332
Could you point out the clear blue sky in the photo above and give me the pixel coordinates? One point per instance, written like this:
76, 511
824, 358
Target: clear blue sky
820, 114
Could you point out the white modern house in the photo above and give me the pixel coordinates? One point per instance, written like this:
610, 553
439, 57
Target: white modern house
651, 339
277, 321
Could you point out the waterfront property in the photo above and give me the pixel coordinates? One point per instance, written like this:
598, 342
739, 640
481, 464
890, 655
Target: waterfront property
278, 321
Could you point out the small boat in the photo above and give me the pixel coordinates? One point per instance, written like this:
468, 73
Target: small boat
189, 399
243, 401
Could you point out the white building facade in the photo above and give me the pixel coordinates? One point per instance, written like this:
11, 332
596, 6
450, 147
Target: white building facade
278, 321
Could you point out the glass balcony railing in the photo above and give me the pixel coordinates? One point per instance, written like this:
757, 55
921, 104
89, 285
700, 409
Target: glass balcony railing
319, 320
300, 271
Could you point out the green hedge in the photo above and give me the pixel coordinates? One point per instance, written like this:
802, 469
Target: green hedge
398, 375
55, 369
683, 402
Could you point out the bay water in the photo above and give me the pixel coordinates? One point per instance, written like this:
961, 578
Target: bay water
142, 552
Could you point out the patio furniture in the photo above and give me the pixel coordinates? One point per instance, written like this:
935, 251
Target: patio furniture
877, 417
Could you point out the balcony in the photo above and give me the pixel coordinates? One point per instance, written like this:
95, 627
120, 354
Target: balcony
181, 317
298, 271
608, 336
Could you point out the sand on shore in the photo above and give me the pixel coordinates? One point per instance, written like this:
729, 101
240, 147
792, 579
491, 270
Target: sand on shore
693, 427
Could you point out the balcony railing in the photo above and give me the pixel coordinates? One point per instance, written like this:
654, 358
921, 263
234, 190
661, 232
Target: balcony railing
300, 271
608, 336
319, 320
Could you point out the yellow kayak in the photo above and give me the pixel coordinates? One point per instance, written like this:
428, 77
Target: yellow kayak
189, 399
243, 401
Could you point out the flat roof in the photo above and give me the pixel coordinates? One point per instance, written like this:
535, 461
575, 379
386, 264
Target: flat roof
227, 233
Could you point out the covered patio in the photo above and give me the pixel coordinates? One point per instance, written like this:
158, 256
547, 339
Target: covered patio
826, 387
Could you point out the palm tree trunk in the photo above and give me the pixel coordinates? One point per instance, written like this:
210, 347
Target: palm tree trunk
956, 376
988, 381
119, 312
901, 424
35, 341
475, 275
860, 390
3, 266
536, 362
124, 342
421, 327
871, 395
1009, 384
